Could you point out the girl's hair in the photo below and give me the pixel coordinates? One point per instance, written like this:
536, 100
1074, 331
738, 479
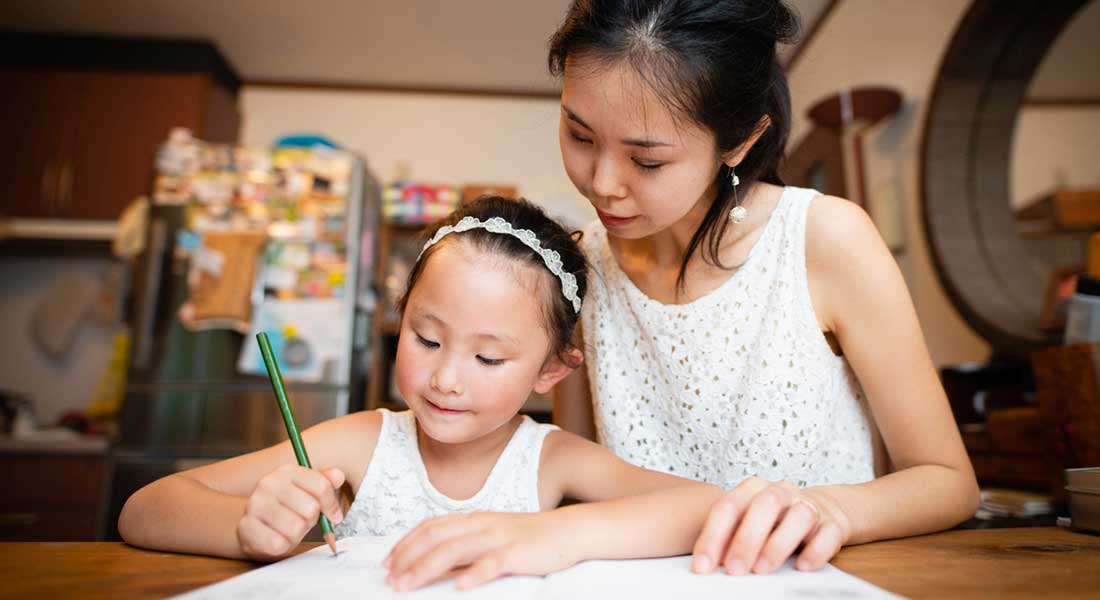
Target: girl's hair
559, 317
710, 61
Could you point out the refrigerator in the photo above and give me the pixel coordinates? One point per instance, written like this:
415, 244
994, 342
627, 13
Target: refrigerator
198, 393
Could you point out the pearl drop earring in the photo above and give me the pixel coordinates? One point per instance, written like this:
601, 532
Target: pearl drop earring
738, 213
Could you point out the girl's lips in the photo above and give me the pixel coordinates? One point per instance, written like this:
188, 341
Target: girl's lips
613, 221
446, 411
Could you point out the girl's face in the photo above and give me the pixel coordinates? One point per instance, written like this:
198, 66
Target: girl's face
473, 344
641, 169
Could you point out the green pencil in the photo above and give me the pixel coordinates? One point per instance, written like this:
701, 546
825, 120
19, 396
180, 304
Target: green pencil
291, 427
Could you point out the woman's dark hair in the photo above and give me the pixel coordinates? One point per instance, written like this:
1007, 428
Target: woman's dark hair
711, 61
558, 315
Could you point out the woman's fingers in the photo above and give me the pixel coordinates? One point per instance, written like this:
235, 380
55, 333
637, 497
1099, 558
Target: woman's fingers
721, 524
822, 546
764, 511
799, 521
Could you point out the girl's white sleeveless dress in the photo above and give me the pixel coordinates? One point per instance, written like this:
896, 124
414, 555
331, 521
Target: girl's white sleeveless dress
396, 494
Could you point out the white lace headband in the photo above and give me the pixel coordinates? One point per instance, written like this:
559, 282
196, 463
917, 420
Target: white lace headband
529, 239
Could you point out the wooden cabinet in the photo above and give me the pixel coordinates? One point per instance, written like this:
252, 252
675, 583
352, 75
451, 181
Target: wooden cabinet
50, 497
80, 144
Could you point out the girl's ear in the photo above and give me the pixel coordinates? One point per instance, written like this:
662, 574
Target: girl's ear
735, 156
556, 369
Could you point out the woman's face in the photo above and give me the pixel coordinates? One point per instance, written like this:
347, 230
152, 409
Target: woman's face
642, 169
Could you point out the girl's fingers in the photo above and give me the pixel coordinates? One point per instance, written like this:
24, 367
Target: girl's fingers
763, 512
822, 547
798, 523
721, 523
301, 502
260, 541
443, 559
319, 486
485, 569
284, 521
423, 538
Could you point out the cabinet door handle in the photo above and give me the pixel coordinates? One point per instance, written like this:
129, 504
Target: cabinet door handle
64, 186
44, 196
18, 519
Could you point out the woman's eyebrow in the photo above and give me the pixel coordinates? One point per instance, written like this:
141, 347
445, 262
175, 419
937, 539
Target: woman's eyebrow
640, 142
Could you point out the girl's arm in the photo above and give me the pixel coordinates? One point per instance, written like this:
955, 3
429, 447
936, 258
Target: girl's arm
259, 505
859, 294
573, 401
628, 512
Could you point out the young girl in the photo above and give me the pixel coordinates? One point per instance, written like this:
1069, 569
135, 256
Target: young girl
488, 315
727, 292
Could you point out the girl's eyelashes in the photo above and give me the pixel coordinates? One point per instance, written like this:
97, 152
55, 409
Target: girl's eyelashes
491, 362
579, 138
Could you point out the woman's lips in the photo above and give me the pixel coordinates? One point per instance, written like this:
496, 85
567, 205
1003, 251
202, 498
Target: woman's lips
613, 221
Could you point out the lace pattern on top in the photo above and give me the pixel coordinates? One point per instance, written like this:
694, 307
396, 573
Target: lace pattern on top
739, 382
396, 494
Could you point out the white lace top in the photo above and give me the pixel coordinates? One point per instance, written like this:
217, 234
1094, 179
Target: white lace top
739, 382
396, 495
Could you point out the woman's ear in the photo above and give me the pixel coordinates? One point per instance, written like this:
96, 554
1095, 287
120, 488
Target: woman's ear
557, 368
735, 156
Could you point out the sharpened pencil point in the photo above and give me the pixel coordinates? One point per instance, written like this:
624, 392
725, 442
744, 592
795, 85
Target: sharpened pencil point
330, 539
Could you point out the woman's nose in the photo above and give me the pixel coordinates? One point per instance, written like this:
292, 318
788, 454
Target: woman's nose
606, 179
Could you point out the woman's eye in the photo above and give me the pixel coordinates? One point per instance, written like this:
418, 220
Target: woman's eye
492, 362
648, 166
426, 342
582, 140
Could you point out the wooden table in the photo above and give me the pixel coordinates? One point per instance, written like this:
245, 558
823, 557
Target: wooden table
1003, 563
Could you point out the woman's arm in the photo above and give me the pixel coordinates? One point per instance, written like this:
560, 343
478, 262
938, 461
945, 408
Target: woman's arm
859, 294
254, 505
629, 512
573, 401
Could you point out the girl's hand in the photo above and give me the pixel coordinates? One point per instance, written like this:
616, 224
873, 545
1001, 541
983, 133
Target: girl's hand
284, 506
757, 525
477, 548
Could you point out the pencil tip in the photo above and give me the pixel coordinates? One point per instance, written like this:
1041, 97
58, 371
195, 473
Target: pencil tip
330, 539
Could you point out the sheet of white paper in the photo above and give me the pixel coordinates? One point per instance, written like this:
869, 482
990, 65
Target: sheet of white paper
356, 572
672, 578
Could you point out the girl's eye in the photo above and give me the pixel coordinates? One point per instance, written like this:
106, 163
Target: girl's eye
648, 166
582, 140
492, 362
426, 342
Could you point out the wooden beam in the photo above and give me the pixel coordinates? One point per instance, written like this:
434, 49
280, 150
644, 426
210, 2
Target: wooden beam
340, 86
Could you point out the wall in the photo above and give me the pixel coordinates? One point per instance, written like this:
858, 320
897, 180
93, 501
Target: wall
55, 385
441, 138
1054, 146
897, 44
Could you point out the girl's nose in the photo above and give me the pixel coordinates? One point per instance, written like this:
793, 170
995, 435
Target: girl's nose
446, 381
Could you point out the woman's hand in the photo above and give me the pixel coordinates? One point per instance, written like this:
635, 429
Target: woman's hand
757, 525
477, 548
284, 506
